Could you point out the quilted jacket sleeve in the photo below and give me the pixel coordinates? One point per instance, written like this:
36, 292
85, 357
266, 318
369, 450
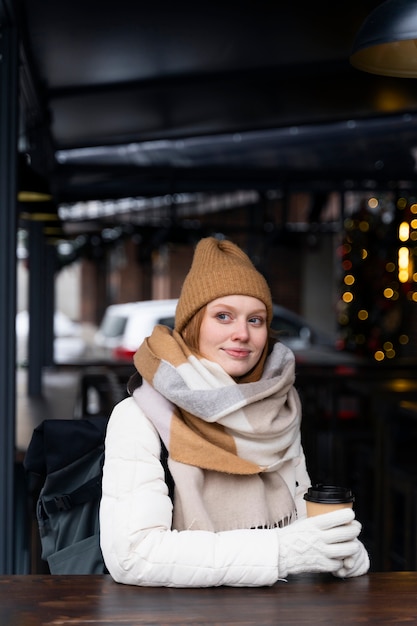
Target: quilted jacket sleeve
137, 542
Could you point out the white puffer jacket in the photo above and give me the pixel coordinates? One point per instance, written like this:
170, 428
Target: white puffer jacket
137, 542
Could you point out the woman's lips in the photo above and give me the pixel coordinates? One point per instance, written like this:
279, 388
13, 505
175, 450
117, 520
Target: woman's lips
236, 353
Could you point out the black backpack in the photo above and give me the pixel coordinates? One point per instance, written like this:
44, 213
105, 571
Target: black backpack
63, 465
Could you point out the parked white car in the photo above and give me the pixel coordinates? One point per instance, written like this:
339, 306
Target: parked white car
125, 326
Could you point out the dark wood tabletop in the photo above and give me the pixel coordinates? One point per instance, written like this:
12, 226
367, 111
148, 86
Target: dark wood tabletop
376, 598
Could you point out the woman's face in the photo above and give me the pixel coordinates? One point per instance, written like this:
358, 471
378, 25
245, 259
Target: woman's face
234, 332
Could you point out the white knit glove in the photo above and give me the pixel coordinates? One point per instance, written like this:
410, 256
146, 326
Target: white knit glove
324, 543
355, 565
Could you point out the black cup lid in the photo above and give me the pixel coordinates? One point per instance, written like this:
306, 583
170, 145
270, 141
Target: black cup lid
329, 494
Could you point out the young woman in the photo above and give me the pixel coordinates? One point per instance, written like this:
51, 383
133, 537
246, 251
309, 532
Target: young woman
221, 397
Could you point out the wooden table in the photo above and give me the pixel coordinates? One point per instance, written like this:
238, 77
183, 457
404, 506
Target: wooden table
376, 598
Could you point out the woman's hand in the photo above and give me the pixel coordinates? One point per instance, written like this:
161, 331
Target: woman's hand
325, 543
355, 565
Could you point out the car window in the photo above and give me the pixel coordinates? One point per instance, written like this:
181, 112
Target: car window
167, 321
113, 325
285, 327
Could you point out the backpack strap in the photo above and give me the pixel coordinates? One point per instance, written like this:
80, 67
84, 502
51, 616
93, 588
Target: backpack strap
168, 476
66, 501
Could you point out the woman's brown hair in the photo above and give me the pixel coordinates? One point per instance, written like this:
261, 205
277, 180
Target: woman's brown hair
191, 332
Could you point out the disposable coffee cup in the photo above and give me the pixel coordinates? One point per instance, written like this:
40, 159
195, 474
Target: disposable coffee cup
325, 498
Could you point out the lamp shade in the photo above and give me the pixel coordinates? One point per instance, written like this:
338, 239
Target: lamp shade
387, 41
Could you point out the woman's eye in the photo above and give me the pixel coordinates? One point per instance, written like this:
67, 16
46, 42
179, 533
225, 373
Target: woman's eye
257, 321
223, 317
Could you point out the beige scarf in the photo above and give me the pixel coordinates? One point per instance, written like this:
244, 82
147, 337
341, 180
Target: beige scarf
228, 443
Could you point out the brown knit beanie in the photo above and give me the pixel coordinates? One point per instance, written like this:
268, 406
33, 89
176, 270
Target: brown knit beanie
219, 268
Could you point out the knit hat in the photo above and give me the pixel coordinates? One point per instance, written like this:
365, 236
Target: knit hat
219, 268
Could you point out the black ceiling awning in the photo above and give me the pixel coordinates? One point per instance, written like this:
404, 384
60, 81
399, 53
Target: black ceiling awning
134, 99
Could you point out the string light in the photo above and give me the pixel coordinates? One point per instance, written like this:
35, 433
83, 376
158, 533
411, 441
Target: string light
349, 279
404, 231
375, 292
403, 264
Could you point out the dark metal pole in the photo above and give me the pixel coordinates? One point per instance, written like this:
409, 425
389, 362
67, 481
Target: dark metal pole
49, 297
36, 343
8, 187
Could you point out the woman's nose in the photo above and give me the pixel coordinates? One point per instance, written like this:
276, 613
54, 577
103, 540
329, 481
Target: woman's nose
241, 331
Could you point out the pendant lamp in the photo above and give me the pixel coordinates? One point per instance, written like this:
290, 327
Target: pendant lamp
387, 41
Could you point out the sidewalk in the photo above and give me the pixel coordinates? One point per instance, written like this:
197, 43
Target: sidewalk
57, 401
